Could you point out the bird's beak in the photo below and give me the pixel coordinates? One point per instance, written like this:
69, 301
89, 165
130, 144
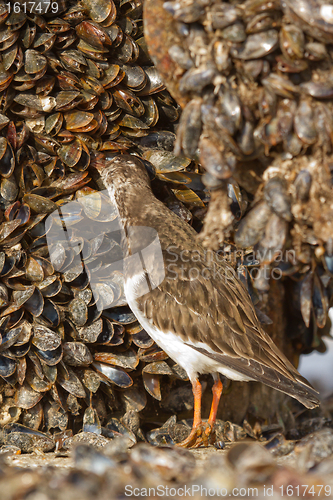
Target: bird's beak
97, 160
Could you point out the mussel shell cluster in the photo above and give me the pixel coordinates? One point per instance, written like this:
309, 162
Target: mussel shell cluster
255, 82
71, 83
99, 468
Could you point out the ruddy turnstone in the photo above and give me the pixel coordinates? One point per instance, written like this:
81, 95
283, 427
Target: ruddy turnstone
200, 314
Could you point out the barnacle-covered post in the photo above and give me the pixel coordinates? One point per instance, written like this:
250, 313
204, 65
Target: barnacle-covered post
254, 79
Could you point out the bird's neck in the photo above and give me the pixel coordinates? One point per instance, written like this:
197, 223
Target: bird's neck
139, 213
134, 204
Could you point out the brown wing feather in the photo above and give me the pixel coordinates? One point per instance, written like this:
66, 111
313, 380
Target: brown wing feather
218, 311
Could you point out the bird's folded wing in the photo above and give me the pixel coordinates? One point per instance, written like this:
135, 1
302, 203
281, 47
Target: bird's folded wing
210, 307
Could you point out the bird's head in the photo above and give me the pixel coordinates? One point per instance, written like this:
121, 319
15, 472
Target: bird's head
121, 171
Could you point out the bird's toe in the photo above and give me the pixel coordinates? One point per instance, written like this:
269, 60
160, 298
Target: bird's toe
201, 435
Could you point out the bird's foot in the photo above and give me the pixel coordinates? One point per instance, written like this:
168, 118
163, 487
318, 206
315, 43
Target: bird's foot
200, 435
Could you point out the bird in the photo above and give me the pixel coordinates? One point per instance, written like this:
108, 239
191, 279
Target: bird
196, 309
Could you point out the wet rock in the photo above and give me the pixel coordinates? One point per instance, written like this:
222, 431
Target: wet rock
88, 438
168, 464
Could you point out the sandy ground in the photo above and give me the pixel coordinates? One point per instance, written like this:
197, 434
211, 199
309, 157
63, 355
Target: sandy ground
35, 460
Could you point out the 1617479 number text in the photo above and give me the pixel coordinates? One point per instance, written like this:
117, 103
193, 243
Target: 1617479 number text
41, 7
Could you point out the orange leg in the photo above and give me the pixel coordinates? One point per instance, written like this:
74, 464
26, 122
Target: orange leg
217, 391
196, 431
200, 432
197, 393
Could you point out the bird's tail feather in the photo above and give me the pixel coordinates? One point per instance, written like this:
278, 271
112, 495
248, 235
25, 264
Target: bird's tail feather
294, 385
310, 399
